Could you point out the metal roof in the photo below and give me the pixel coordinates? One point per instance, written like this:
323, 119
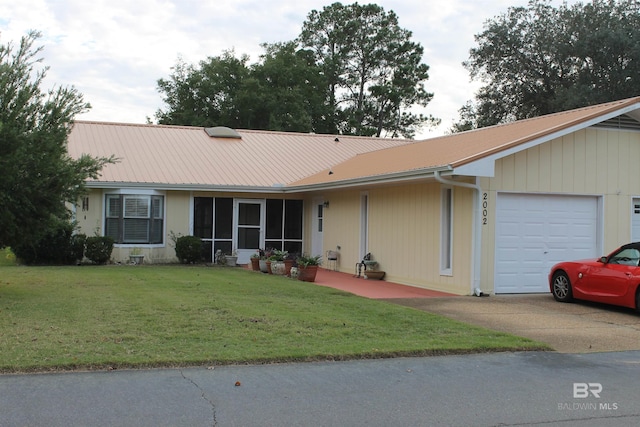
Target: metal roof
188, 158
453, 152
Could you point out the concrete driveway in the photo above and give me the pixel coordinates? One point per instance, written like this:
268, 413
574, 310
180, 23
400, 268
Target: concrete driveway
578, 327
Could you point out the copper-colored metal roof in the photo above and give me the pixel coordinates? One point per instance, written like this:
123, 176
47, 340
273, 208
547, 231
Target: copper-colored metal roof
455, 150
188, 157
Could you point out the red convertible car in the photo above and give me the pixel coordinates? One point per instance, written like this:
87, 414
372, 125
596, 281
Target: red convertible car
613, 279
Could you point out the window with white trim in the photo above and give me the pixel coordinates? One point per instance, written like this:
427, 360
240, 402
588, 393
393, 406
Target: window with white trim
446, 230
133, 218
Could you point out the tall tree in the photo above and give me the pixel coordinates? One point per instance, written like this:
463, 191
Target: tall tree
290, 87
206, 95
37, 176
283, 91
539, 59
374, 72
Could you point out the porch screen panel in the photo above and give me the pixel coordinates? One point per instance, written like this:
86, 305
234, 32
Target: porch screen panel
273, 234
203, 217
224, 218
284, 225
223, 233
293, 220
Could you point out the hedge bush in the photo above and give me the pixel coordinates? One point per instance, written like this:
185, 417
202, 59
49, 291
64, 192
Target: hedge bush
57, 246
99, 248
189, 249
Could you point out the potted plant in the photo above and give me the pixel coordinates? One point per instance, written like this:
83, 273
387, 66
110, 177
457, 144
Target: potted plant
232, 260
308, 267
289, 260
264, 262
277, 262
255, 261
135, 256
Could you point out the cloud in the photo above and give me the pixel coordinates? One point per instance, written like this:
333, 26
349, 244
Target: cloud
114, 51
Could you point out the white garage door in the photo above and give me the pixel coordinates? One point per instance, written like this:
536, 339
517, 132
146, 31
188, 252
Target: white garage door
533, 232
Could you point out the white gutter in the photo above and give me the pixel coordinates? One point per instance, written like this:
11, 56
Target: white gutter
476, 244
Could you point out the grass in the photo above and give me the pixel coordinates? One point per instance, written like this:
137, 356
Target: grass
109, 317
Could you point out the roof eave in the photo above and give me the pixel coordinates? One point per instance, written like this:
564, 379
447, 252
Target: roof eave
482, 164
276, 189
390, 178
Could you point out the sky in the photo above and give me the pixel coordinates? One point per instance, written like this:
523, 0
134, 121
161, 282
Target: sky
114, 51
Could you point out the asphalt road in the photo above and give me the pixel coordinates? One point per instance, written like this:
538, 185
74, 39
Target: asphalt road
504, 389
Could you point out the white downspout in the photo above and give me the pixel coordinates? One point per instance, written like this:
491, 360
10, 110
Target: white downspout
477, 230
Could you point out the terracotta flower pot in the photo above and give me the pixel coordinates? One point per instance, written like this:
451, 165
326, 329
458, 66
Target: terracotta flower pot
255, 264
288, 263
307, 274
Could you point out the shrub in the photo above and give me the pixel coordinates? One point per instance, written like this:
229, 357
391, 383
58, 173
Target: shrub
189, 249
99, 248
57, 245
78, 242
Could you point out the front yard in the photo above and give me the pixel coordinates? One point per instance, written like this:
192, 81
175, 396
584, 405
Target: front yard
109, 317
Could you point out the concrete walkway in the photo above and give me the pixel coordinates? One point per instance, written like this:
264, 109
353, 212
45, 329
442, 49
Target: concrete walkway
374, 289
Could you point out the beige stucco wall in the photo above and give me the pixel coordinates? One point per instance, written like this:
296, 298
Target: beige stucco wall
90, 222
177, 221
595, 162
404, 234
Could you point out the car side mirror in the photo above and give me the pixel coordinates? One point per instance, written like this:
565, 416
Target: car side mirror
603, 259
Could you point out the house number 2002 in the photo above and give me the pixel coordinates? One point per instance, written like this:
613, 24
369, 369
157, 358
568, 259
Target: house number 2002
485, 205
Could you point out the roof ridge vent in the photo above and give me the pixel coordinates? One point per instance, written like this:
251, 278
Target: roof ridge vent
222, 132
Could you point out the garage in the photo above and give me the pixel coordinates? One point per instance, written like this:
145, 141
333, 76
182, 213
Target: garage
535, 231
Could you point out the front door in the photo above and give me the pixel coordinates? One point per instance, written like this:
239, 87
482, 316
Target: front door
249, 217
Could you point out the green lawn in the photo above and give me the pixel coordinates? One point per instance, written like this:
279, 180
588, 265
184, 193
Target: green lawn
101, 317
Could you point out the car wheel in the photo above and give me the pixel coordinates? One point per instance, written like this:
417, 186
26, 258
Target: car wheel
638, 299
561, 288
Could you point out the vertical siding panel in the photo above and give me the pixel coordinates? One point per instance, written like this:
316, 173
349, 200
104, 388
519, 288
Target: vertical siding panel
508, 172
532, 171
579, 163
410, 237
342, 227
589, 138
623, 171
462, 244
520, 165
568, 163
633, 165
601, 167
544, 165
410, 254
609, 141
556, 165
